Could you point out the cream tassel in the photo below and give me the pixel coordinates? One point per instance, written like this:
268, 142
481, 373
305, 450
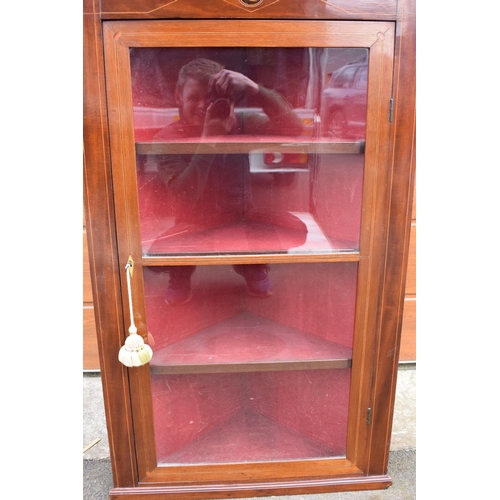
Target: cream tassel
135, 352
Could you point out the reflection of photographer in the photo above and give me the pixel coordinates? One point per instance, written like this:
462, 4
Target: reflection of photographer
225, 88
204, 85
213, 189
221, 107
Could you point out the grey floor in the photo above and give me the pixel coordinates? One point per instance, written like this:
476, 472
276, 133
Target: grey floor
97, 481
97, 478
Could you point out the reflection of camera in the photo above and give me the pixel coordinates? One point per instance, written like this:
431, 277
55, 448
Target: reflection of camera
221, 108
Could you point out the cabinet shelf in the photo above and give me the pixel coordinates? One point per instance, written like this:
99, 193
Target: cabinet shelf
248, 343
244, 237
247, 144
248, 437
243, 258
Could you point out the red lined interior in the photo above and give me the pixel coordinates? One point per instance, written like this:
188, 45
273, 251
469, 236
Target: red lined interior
221, 417
256, 413
316, 211
218, 418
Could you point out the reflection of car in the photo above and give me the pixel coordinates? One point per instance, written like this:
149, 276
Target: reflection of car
344, 102
282, 165
290, 157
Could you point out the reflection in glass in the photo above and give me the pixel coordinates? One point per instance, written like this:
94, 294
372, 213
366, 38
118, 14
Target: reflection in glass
249, 149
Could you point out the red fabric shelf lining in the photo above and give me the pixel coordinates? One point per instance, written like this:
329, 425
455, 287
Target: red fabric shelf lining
222, 417
248, 436
248, 338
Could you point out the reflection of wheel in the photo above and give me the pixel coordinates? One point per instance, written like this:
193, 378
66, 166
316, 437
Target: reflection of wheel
336, 126
283, 178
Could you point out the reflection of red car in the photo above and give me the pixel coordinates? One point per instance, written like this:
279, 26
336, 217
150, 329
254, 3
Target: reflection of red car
285, 161
344, 102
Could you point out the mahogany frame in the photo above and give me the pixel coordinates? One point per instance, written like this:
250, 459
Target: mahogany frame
391, 250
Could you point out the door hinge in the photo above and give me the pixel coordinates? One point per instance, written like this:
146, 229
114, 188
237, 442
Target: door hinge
391, 109
368, 416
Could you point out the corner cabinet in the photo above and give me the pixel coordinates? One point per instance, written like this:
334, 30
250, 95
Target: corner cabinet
261, 252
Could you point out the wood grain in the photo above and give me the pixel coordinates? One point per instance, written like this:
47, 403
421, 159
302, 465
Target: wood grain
398, 237
102, 253
280, 9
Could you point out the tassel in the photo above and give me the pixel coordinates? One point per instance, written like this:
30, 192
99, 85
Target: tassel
134, 352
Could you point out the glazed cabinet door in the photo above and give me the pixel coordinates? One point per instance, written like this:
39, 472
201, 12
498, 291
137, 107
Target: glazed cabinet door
250, 173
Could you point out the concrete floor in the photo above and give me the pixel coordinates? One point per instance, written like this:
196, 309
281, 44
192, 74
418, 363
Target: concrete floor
97, 479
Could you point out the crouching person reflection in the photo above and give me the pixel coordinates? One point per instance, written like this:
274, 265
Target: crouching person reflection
210, 189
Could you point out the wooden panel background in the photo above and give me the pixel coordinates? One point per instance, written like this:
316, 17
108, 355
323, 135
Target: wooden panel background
90, 352
408, 348
408, 334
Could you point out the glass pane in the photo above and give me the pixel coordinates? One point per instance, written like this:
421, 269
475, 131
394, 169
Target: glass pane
265, 155
251, 362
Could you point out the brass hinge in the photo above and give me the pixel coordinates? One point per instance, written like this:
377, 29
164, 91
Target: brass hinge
391, 109
368, 416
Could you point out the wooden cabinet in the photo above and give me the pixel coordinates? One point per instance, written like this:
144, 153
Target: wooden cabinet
252, 162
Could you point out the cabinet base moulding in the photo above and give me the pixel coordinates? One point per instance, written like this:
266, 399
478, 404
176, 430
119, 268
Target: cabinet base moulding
217, 491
